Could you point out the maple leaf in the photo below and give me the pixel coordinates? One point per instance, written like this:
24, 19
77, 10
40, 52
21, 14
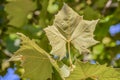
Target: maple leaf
82, 71
36, 62
70, 28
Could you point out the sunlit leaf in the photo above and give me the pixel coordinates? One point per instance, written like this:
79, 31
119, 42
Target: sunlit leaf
36, 62
18, 10
94, 71
69, 27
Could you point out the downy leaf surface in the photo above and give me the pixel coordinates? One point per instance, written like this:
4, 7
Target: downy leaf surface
69, 27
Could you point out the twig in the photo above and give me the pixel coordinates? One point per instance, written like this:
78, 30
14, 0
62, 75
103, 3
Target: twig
108, 4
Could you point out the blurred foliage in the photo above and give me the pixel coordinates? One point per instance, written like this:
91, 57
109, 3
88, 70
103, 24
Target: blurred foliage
31, 16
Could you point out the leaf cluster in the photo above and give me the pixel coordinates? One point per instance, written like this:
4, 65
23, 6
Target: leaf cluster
68, 28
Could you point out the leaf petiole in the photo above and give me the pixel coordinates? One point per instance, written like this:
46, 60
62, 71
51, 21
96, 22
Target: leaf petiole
70, 60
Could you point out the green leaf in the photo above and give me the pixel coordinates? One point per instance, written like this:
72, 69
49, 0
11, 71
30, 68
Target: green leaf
36, 62
18, 10
52, 8
90, 13
69, 27
95, 71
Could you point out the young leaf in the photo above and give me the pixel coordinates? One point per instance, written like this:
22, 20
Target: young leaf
18, 10
94, 71
70, 28
36, 62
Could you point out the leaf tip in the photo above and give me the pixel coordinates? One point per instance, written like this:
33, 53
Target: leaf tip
64, 4
16, 58
19, 34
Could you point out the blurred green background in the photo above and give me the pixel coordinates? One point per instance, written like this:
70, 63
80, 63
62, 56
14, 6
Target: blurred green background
30, 17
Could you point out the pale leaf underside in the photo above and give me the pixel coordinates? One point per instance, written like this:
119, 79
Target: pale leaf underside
69, 27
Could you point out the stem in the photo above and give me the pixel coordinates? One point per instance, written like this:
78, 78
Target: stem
108, 4
70, 60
